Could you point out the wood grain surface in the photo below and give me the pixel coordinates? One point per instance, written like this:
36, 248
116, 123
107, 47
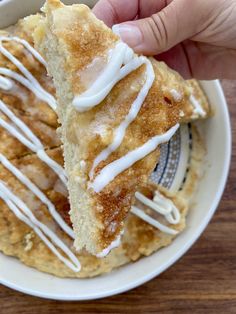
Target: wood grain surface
203, 281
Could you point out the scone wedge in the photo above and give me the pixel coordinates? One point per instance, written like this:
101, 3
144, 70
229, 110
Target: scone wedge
115, 108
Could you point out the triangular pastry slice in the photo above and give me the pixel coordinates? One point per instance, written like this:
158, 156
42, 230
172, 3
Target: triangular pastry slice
115, 109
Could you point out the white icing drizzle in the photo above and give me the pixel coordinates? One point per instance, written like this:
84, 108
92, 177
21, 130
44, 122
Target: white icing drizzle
109, 172
176, 95
32, 81
181, 113
5, 83
121, 62
141, 214
162, 206
110, 76
25, 82
27, 46
114, 244
119, 133
21, 131
20, 209
43, 198
197, 106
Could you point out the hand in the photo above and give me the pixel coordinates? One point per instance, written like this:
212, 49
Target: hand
195, 37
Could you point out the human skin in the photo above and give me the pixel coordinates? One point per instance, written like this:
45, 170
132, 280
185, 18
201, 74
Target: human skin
195, 37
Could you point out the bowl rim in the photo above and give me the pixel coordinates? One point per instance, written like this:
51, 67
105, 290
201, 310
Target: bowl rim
189, 242
196, 234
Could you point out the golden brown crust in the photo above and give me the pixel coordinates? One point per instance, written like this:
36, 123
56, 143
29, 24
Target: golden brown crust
35, 113
72, 37
83, 34
10, 146
17, 239
21, 98
140, 239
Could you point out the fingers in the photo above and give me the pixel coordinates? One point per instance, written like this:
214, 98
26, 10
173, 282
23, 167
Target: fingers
201, 61
177, 60
210, 62
178, 21
153, 27
220, 25
159, 24
118, 11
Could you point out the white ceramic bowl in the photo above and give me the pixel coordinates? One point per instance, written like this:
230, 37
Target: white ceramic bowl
217, 135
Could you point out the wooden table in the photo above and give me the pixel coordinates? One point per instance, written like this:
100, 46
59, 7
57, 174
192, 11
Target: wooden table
203, 281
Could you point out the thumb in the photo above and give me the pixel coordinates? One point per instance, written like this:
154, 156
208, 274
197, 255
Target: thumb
176, 22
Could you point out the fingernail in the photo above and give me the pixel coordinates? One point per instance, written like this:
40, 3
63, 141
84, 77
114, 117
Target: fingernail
130, 34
